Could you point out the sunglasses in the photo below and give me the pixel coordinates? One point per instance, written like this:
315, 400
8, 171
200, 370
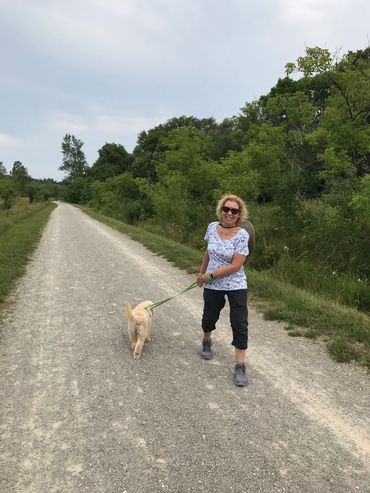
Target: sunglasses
230, 209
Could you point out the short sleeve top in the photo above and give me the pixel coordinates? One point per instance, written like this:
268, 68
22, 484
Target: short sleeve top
221, 253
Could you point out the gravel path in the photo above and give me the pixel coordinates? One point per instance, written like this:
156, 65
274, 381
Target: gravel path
77, 413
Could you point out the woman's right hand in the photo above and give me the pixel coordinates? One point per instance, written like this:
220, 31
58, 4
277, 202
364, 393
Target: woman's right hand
200, 279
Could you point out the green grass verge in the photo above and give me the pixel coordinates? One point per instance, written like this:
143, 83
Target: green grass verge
345, 331
17, 244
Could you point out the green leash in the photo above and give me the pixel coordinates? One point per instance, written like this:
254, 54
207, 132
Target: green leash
191, 286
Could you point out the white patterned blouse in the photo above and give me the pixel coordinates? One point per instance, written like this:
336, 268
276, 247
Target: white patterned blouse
221, 253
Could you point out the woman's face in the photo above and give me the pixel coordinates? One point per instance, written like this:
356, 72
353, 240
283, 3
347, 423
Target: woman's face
230, 213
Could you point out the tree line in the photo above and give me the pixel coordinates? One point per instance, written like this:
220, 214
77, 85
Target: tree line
18, 183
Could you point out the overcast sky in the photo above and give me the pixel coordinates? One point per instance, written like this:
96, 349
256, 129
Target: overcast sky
104, 70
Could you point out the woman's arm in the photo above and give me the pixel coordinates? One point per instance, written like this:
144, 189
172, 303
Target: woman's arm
204, 263
201, 279
236, 264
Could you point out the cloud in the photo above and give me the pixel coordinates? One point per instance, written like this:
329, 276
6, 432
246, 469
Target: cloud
97, 35
129, 39
7, 140
66, 122
109, 124
331, 24
95, 121
307, 11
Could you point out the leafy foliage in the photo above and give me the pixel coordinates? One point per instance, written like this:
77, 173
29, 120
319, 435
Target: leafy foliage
74, 160
21, 178
113, 160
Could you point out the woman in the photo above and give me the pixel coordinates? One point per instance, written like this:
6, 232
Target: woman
222, 274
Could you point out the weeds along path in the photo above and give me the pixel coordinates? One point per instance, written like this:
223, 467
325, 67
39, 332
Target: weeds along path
77, 413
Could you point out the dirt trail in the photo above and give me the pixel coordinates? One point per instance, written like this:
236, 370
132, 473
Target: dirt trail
77, 413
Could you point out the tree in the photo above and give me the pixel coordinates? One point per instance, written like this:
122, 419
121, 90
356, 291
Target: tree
122, 196
74, 161
113, 160
8, 193
317, 61
2, 169
152, 145
226, 137
183, 195
335, 149
238, 175
76, 191
21, 177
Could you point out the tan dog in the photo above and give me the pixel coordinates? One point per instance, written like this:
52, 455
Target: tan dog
139, 325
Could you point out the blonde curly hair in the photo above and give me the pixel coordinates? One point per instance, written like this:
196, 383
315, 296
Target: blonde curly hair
243, 213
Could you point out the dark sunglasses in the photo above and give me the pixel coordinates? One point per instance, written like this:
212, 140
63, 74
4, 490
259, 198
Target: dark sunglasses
230, 209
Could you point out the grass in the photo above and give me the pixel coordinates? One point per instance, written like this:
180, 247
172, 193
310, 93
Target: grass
18, 240
346, 331
21, 210
343, 288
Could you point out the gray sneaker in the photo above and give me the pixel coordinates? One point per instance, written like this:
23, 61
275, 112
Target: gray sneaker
240, 378
206, 350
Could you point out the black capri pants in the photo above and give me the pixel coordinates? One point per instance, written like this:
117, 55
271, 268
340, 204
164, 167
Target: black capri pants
214, 301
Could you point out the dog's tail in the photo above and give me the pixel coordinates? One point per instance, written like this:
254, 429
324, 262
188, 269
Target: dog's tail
128, 311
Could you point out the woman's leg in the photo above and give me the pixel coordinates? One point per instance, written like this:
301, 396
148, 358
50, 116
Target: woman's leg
240, 356
239, 323
214, 301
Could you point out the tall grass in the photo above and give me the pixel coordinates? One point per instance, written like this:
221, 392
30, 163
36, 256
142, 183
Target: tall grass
20, 234
21, 209
340, 287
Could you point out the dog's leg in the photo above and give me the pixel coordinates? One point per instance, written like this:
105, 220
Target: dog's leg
149, 329
139, 346
133, 342
132, 334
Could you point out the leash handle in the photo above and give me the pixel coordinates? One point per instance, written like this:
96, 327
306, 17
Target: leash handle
191, 286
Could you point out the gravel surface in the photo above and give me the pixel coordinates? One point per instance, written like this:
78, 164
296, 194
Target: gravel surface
77, 413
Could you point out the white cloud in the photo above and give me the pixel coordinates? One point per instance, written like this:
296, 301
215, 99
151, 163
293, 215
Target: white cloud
122, 125
101, 34
307, 11
7, 140
95, 120
66, 122
127, 38
332, 24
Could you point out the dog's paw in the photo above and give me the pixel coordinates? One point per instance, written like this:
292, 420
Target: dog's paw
137, 355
